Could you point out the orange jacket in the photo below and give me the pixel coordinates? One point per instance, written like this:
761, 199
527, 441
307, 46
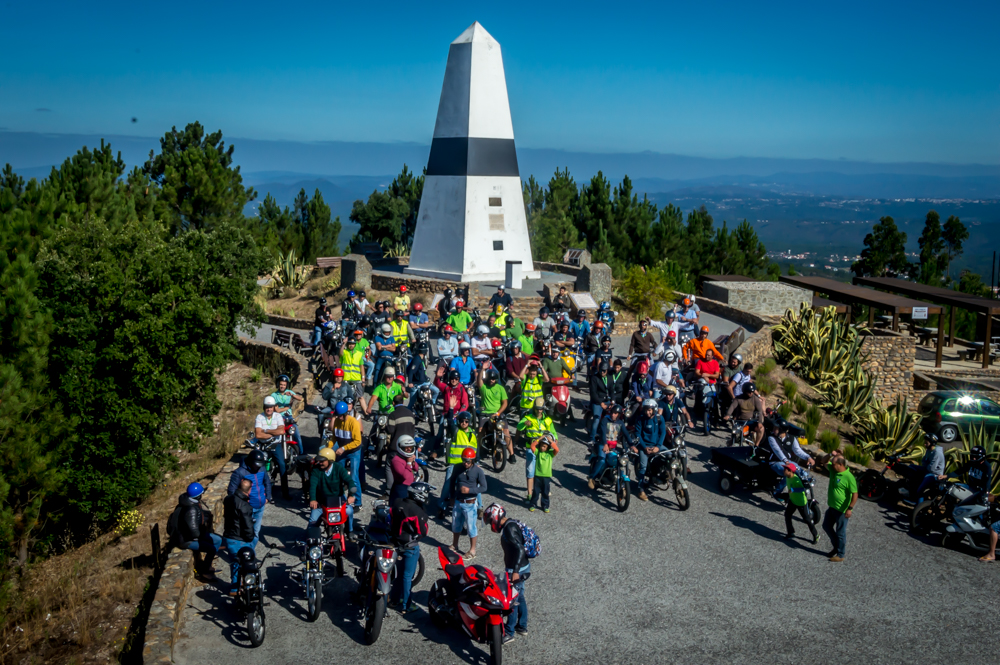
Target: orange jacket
696, 349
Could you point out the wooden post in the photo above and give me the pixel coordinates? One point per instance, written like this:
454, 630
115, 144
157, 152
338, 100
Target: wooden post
871, 316
986, 339
951, 327
895, 320
940, 340
154, 537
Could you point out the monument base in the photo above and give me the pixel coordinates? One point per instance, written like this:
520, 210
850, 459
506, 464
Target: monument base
467, 277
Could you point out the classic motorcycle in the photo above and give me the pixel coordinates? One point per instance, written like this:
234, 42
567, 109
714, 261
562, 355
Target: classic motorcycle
492, 445
558, 402
970, 526
250, 594
705, 397
940, 504
312, 576
668, 468
424, 409
874, 486
378, 438
472, 598
615, 476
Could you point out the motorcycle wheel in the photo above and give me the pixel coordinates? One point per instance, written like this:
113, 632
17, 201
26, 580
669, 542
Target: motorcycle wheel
256, 627
925, 518
314, 596
496, 644
429, 414
373, 620
727, 484
499, 456
952, 541
434, 598
425, 475
418, 574
871, 485
340, 564
683, 497
814, 512
623, 495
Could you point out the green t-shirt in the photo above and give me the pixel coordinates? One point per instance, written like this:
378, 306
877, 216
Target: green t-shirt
460, 321
492, 397
543, 464
527, 344
386, 395
796, 492
843, 486
362, 345
515, 328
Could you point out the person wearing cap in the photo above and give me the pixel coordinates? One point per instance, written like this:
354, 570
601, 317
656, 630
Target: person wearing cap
401, 301
346, 441
320, 319
527, 339
460, 320
385, 392
543, 324
447, 346
194, 530
650, 431
468, 482
555, 366
696, 347
502, 298
533, 426
328, 483
672, 408
418, 319
385, 350
687, 317
601, 396
464, 364
797, 502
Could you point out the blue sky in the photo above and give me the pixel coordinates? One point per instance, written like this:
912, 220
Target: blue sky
898, 81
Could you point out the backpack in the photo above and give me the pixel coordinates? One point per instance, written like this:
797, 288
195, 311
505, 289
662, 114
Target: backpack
532, 545
173, 524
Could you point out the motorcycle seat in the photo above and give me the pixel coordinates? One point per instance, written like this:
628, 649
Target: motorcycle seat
454, 571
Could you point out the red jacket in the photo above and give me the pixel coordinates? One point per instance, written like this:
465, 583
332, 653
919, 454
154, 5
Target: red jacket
461, 397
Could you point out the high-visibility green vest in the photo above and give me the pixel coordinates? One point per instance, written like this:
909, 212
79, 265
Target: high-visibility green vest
501, 323
463, 439
535, 427
531, 389
352, 362
400, 333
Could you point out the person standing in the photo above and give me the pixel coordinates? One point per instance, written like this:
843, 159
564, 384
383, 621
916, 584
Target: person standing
544, 449
468, 482
532, 428
501, 298
601, 396
516, 563
403, 468
346, 442
464, 439
797, 502
239, 531
842, 496
320, 319
194, 529
401, 301
253, 470
407, 525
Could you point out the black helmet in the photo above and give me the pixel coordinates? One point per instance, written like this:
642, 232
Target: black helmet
543, 310
282, 377
616, 408
322, 302
448, 293
361, 293
419, 492
492, 376
977, 453
453, 374
603, 367
421, 347
464, 415
255, 460
750, 387
246, 555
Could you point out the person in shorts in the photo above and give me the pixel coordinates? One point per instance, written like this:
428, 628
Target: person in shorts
468, 482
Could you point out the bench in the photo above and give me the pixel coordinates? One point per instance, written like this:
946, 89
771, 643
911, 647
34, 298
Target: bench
303, 347
328, 262
281, 338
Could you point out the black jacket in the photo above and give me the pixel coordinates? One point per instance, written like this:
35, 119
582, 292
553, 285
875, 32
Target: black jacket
601, 388
193, 519
515, 557
621, 384
238, 517
408, 523
504, 300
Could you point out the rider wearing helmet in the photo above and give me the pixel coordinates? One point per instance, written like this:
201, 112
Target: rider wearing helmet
580, 327
268, 425
493, 401
687, 317
564, 337
527, 339
240, 524
401, 331
194, 529
418, 317
667, 326
407, 525
482, 349
454, 399
321, 318
603, 354
386, 393
283, 398
466, 483
385, 349
362, 304
464, 364
650, 431
609, 435
500, 320
501, 298
403, 467
346, 440
532, 427
696, 349
516, 361
401, 301
516, 563
460, 320
349, 308
354, 363
544, 324
532, 378
556, 366
328, 483
447, 346
253, 468
416, 374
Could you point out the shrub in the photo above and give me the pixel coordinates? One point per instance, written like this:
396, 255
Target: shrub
255, 375
856, 455
289, 292
800, 405
814, 415
643, 291
767, 367
765, 385
791, 389
892, 431
785, 410
829, 441
810, 432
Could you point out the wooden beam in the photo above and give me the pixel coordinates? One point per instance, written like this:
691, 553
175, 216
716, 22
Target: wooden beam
940, 341
986, 341
895, 320
951, 327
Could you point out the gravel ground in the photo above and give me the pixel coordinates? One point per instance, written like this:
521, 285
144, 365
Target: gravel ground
714, 584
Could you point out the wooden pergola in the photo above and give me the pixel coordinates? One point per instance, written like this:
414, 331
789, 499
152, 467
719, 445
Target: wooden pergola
860, 295
945, 297
817, 303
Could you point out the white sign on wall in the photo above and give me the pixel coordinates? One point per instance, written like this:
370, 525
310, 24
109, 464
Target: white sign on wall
919, 313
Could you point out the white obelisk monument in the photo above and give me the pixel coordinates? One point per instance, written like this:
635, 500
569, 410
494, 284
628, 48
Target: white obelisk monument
471, 221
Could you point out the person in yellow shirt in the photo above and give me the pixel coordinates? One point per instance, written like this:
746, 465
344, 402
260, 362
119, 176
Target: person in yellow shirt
695, 349
402, 301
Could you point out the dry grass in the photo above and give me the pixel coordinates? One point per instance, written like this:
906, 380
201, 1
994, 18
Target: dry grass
77, 607
779, 375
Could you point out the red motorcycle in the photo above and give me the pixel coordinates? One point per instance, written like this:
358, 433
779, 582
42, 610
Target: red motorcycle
335, 525
558, 401
472, 598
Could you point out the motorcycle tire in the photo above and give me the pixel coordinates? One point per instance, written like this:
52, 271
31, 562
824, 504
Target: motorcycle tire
314, 598
373, 620
340, 564
418, 574
683, 497
425, 476
429, 414
496, 644
727, 484
623, 495
438, 618
953, 541
924, 519
871, 485
256, 626
498, 457
815, 514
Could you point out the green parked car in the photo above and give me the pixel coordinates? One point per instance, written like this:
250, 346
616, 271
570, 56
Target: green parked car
945, 412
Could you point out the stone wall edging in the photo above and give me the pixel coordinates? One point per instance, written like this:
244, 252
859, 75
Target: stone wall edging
757, 347
289, 322
740, 316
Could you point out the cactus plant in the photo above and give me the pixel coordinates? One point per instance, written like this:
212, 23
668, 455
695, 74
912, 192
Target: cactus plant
892, 431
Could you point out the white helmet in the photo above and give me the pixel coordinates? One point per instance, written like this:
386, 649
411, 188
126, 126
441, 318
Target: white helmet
463, 346
406, 446
483, 330
649, 403
386, 328
669, 357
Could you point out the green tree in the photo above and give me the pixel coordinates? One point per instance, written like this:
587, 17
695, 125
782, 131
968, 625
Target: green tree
954, 235
381, 219
884, 254
555, 230
596, 215
322, 234
197, 183
699, 257
277, 227
966, 322
933, 258
669, 234
755, 261
409, 188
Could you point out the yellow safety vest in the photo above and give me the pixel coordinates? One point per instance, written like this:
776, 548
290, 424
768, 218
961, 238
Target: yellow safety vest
530, 391
463, 439
352, 362
400, 333
536, 427
501, 323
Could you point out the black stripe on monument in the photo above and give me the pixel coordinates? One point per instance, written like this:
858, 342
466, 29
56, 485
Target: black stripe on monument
472, 156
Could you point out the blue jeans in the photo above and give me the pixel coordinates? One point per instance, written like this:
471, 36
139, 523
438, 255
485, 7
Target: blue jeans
779, 469
407, 567
835, 525
924, 484
234, 546
317, 335
601, 461
258, 518
380, 364
369, 368
209, 543
640, 468
595, 408
355, 459
317, 513
435, 391
518, 618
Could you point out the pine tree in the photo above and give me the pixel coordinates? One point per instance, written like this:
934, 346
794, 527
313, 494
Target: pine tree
884, 254
409, 188
954, 235
933, 258
322, 235
595, 211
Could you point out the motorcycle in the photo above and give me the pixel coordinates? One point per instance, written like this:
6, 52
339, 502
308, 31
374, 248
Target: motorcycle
423, 408
558, 404
874, 486
970, 526
378, 438
615, 476
705, 396
312, 575
608, 317
942, 499
250, 597
668, 468
472, 598
492, 444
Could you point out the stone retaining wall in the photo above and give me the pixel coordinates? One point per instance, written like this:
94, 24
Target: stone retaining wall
757, 347
890, 359
289, 322
419, 284
742, 317
284, 361
763, 298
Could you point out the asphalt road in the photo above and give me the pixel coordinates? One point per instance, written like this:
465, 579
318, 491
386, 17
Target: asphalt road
715, 584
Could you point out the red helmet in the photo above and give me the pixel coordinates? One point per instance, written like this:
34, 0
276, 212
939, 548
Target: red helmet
496, 343
530, 327
493, 515
418, 307
338, 372
402, 288
671, 333
469, 454
704, 329
459, 303
599, 325
643, 367
448, 329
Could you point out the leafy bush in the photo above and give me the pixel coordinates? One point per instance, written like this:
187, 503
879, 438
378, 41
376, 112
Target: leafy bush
800, 405
814, 416
791, 389
255, 375
766, 367
785, 410
854, 454
643, 291
829, 441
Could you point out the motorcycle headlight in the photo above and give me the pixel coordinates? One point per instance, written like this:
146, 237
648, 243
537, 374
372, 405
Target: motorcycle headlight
250, 579
622, 460
682, 452
382, 420
315, 553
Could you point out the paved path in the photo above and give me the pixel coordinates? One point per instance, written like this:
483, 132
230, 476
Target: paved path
715, 584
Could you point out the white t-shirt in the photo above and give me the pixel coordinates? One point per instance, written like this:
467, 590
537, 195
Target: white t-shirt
275, 422
483, 344
739, 380
362, 304
664, 373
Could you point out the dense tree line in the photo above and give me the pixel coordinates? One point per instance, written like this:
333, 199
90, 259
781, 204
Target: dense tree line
121, 297
389, 218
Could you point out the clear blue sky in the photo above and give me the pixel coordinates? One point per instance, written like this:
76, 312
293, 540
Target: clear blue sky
880, 81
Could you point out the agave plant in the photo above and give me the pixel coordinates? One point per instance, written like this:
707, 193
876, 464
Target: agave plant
287, 272
892, 431
852, 398
821, 346
977, 435
396, 251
